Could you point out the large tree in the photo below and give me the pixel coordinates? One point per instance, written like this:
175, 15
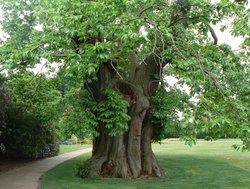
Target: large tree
119, 53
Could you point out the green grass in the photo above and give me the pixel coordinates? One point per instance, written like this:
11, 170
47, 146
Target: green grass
73, 147
208, 165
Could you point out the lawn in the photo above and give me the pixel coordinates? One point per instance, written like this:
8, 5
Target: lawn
208, 165
73, 147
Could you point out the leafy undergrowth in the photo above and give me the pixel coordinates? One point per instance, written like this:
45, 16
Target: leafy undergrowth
207, 165
73, 147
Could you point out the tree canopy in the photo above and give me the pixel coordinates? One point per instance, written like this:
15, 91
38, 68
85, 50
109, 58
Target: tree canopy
140, 43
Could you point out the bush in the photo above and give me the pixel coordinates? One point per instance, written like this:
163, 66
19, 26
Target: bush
73, 139
25, 112
86, 141
81, 170
4, 104
27, 138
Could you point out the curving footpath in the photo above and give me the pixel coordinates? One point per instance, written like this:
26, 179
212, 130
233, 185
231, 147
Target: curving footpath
27, 176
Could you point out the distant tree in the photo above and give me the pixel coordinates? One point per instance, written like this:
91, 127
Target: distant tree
35, 94
120, 52
76, 117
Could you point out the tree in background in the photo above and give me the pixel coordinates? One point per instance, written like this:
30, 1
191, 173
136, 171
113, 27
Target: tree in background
117, 53
75, 116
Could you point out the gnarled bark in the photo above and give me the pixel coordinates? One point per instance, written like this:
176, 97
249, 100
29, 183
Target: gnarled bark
130, 154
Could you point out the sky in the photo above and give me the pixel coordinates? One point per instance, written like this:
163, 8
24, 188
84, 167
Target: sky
1, 32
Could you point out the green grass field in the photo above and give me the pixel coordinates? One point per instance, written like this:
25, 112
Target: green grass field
208, 165
73, 147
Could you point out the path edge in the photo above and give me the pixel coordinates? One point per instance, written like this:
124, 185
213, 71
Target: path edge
41, 177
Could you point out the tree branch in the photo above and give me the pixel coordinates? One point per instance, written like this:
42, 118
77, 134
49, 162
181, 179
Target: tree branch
182, 18
213, 34
60, 55
145, 9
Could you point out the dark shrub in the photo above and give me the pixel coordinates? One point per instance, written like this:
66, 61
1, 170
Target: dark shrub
4, 104
27, 138
81, 170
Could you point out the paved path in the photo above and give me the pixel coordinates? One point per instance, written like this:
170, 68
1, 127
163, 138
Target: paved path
27, 177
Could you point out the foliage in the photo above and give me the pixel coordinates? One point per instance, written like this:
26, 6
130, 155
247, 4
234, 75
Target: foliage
81, 170
165, 118
4, 104
28, 131
112, 111
222, 97
34, 94
77, 115
216, 75
73, 139
27, 138
86, 141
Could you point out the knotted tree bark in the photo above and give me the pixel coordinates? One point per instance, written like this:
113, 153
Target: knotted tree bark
130, 154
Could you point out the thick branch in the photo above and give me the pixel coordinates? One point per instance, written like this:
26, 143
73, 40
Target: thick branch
145, 9
213, 34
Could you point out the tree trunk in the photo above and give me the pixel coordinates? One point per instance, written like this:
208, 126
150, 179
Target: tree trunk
130, 154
